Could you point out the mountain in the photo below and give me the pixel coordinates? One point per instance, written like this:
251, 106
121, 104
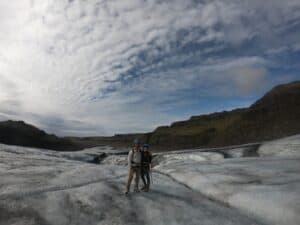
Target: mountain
20, 133
275, 115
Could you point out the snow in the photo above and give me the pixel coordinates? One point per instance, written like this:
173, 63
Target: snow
289, 146
267, 188
40, 186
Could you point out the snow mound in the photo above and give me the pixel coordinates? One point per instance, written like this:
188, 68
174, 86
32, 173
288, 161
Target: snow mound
289, 146
267, 188
197, 157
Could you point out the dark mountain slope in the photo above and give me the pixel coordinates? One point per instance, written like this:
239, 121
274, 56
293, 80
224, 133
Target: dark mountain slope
20, 133
275, 115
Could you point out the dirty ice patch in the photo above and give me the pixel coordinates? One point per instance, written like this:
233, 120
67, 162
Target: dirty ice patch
120, 160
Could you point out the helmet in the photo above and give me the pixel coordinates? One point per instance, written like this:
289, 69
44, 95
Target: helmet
136, 141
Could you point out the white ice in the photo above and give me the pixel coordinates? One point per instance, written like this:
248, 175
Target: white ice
46, 187
289, 146
267, 187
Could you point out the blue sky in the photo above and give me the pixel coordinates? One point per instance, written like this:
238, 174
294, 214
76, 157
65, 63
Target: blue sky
102, 67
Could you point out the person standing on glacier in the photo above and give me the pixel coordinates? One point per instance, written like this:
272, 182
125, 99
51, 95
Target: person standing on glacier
134, 164
146, 167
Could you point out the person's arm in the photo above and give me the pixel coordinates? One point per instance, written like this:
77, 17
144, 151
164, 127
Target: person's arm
151, 157
142, 157
129, 158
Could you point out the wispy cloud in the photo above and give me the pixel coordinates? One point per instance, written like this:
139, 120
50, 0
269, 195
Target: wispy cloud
105, 66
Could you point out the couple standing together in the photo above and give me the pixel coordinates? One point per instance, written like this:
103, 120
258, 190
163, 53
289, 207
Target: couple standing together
139, 162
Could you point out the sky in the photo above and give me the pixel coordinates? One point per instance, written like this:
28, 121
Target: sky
100, 67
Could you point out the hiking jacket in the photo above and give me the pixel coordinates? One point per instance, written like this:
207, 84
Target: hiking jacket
146, 158
134, 158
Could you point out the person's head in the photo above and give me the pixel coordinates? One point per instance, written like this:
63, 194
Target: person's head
145, 147
137, 143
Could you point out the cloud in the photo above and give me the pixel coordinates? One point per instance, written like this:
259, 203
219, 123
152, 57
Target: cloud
103, 67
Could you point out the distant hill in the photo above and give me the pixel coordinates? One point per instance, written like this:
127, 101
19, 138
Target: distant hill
275, 115
20, 133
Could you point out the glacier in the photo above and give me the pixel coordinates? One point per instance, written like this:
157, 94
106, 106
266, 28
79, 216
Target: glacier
39, 186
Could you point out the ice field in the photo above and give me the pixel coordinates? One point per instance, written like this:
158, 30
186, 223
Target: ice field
39, 187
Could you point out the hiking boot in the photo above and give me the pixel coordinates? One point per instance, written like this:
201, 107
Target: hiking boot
136, 190
143, 188
147, 188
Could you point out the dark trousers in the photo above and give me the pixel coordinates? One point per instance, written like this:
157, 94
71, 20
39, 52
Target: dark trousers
145, 174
